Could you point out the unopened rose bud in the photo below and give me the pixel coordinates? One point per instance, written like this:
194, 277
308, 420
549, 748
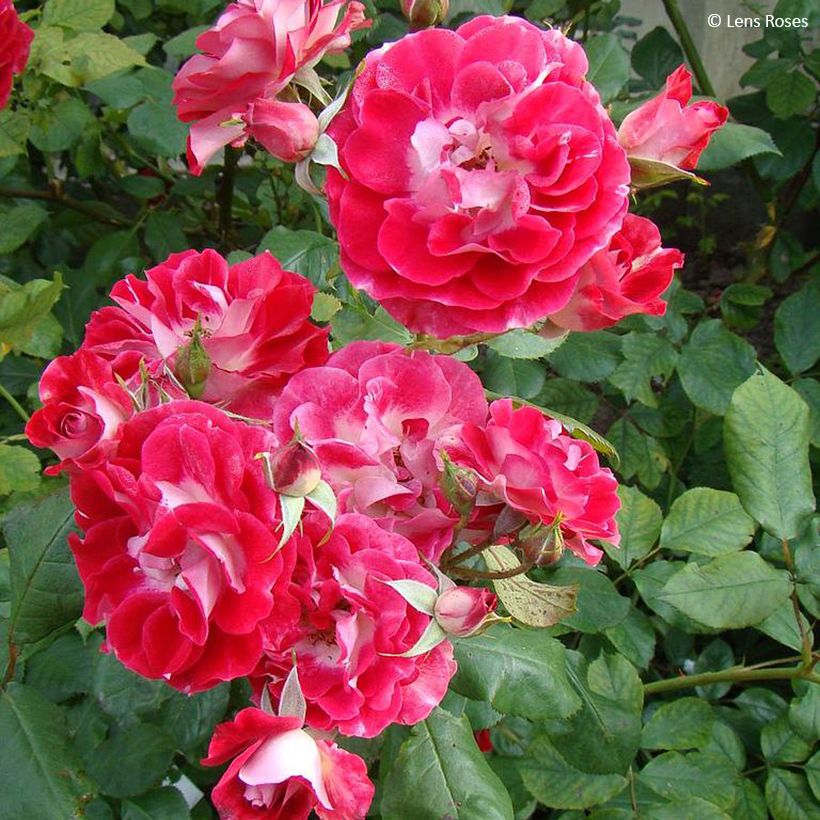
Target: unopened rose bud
541, 545
425, 13
294, 470
462, 611
193, 365
459, 485
287, 130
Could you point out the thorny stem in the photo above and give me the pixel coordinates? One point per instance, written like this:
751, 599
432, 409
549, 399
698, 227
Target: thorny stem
739, 674
805, 640
478, 574
16, 406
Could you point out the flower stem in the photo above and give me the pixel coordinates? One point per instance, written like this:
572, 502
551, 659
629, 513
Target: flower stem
15, 405
688, 45
225, 195
740, 674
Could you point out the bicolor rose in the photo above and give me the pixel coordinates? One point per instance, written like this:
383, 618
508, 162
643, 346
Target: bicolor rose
83, 408
179, 556
373, 415
280, 771
626, 278
501, 178
353, 629
255, 49
15, 44
250, 319
527, 462
667, 129
462, 611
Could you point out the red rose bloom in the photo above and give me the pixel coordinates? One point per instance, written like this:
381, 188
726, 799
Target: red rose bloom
628, 277
83, 408
373, 415
353, 627
502, 176
666, 129
281, 772
250, 320
15, 43
526, 461
179, 556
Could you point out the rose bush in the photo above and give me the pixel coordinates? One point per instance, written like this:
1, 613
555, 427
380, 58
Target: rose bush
510, 531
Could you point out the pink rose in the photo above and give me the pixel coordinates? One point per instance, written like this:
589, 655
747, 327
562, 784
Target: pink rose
83, 408
280, 771
250, 55
288, 131
373, 415
179, 557
501, 178
666, 129
352, 629
15, 43
254, 325
527, 462
628, 277
462, 611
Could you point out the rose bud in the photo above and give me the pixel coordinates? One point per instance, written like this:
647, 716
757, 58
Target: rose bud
459, 485
287, 130
541, 545
193, 365
425, 13
295, 470
462, 611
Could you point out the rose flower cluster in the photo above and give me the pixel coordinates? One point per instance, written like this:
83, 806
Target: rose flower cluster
253, 505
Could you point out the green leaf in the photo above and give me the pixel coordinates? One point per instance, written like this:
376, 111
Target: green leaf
306, 252
155, 127
19, 224
813, 774
531, 603
587, 357
678, 777
646, 356
781, 625
730, 592
569, 398
148, 751
599, 604
190, 719
79, 15
513, 377
124, 695
523, 344
789, 93
707, 522
163, 235
45, 589
63, 669
60, 127
796, 329
36, 763
766, 440
19, 470
166, 803
634, 638
519, 672
640, 454
184, 45
712, 364
325, 307
804, 713
604, 735
558, 785
655, 56
14, 130
732, 144
750, 803
780, 744
350, 324
788, 796
608, 65
685, 723
439, 772
639, 522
